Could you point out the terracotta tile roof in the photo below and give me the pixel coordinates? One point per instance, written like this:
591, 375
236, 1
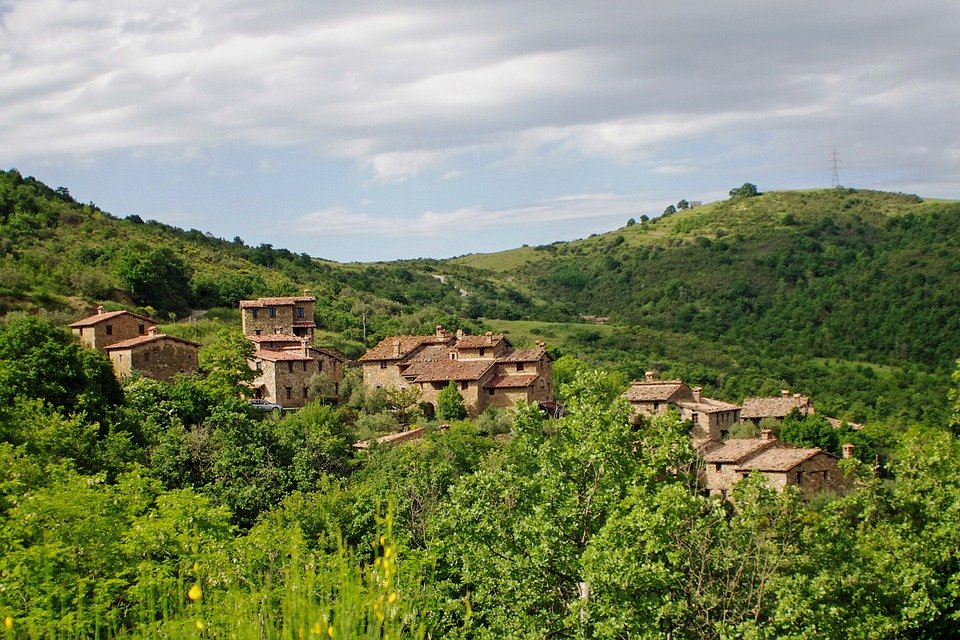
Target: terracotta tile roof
275, 302
706, 445
430, 353
511, 382
444, 370
386, 349
707, 405
97, 318
737, 450
523, 355
775, 407
477, 342
139, 340
659, 390
331, 352
280, 356
780, 459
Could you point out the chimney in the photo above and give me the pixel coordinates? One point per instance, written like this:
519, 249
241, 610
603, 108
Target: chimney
784, 393
767, 434
650, 376
459, 333
799, 399
541, 344
848, 450
396, 347
152, 331
696, 393
101, 310
306, 293
305, 347
441, 332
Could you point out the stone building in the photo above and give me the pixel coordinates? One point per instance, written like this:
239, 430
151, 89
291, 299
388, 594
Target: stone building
776, 408
291, 315
154, 355
709, 418
810, 469
105, 328
284, 356
486, 369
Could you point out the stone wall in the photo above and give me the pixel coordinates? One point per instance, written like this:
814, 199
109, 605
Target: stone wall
117, 329
160, 359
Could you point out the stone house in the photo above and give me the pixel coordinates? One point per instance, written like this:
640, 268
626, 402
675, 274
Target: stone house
781, 464
487, 370
776, 408
284, 356
105, 328
709, 418
154, 355
652, 396
291, 315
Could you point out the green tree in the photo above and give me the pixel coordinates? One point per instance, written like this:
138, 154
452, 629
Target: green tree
746, 190
450, 403
225, 365
155, 277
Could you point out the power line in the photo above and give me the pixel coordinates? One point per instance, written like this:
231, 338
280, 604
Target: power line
835, 169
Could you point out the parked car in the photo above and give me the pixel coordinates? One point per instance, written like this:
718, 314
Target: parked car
263, 405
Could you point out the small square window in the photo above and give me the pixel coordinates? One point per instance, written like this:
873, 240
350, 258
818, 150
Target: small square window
272, 312
289, 391
300, 312
383, 364
109, 329
141, 329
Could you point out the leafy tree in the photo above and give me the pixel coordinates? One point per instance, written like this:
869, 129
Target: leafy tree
746, 190
683, 205
513, 533
225, 365
631, 222
450, 403
38, 360
155, 277
670, 210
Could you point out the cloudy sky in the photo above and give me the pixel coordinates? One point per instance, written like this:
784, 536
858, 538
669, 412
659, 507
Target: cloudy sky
382, 130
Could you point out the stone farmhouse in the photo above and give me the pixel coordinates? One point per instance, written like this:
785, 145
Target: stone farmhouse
284, 356
710, 418
134, 347
487, 369
289, 315
154, 355
775, 408
810, 469
105, 328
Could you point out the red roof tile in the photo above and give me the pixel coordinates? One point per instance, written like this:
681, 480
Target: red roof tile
781, 459
139, 340
774, 407
523, 355
399, 347
511, 382
445, 370
280, 356
659, 390
737, 450
479, 342
97, 318
275, 302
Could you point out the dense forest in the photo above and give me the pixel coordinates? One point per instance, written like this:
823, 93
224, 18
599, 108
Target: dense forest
146, 509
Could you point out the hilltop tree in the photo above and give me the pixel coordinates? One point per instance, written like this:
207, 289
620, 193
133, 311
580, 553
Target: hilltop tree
156, 277
746, 190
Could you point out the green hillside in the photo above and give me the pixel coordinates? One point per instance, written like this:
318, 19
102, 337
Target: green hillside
849, 295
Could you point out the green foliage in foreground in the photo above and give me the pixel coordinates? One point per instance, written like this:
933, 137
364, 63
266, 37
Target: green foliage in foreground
574, 527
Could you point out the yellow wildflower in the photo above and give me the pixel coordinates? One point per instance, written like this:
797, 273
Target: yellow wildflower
330, 631
317, 628
195, 592
8, 623
392, 597
199, 625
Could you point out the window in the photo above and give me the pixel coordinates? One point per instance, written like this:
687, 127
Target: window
519, 366
482, 351
299, 312
255, 314
289, 391
464, 385
717, 466
305, 391
305, 363
256, 332
320, 366
336, 388
453, 355
490, 391
695, 419
146, 356
799, 477
272, 312
383, 364
109, 329
257, 366
141, 329
290, 367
